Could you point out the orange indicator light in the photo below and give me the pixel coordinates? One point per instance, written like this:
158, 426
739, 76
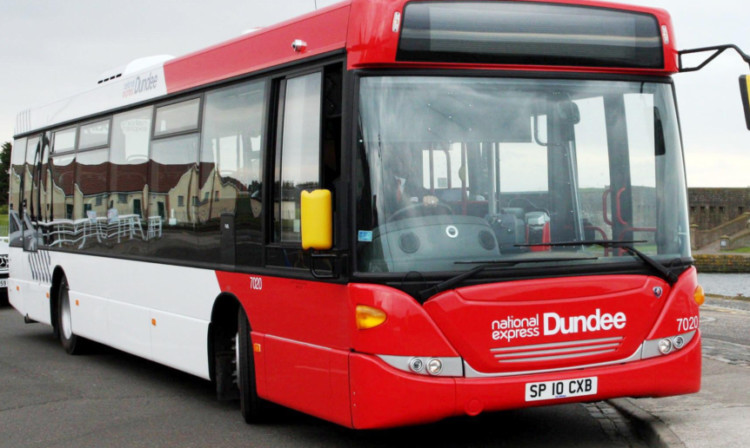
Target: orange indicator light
257, 348
369, 317
699, 296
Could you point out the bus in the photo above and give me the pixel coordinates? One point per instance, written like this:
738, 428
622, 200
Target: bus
381, 213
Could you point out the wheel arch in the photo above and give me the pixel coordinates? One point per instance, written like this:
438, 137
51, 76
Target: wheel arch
223, 324
54, 291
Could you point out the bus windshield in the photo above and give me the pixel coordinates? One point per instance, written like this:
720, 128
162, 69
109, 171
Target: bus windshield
460, 170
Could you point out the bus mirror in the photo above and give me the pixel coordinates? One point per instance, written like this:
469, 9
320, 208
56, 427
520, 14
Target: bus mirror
317, 220
745, 90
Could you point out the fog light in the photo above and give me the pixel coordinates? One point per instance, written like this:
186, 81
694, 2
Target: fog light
678, 342
665, 346
435, 366
416, 365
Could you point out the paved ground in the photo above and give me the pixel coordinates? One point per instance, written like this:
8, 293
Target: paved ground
50, 399
719, 415
110, 399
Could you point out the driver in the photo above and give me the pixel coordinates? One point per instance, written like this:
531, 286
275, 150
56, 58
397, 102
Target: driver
401, 181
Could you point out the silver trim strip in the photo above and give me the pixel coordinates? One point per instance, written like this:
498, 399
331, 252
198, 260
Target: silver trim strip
649, 349
558, 344
560, 350
549, 358
472, 373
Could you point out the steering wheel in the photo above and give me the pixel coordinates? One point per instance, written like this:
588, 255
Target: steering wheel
415, 210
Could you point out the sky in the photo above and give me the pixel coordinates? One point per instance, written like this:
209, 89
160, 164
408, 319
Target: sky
52, 49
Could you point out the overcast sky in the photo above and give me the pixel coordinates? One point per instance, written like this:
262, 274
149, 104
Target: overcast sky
51, 49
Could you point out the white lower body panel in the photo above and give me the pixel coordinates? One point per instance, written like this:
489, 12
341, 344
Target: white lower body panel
157, 311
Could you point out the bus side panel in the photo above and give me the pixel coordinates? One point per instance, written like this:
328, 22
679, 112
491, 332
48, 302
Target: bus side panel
29, 284
309, 312
301, 336
123, 304
311, 379
179, 342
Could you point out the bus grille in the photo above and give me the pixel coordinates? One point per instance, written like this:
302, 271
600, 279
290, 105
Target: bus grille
556, 350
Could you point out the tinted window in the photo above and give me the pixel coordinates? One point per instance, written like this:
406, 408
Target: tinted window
62, 174
15, 177
128, 164
177, 117
230, 173
174, 173
64, 140
94, 134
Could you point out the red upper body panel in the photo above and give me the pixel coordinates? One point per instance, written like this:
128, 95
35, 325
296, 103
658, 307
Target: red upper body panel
364, 28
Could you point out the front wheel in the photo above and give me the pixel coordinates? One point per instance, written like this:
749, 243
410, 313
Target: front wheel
73, 345
251, 405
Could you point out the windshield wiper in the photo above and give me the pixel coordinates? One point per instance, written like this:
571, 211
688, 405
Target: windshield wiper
451, 282
666, 274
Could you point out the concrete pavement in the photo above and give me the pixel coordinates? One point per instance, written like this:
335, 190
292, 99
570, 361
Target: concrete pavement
716, 417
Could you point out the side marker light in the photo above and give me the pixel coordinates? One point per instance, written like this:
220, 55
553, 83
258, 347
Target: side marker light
699, 296
369, 317
396, 25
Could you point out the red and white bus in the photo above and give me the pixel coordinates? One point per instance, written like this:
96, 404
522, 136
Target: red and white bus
498, 215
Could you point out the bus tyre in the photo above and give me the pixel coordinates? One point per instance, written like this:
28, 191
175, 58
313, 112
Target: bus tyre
250, 404
73, 345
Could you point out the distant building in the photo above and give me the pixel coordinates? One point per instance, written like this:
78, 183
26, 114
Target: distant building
711, 207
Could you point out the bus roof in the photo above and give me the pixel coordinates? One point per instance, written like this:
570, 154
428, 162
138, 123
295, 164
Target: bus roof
368, 30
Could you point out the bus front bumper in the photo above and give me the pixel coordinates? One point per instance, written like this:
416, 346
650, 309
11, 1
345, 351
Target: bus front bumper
383, 396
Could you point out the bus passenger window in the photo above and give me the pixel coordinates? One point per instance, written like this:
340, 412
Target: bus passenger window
125, 210
14, 200
94, 135
231, 161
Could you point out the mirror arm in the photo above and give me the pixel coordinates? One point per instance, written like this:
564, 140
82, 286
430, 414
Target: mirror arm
717, 50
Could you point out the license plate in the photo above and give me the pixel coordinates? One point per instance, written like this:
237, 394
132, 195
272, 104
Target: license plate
4, 283
553, 390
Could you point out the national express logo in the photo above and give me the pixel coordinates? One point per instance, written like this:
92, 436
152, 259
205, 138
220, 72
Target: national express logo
551, 324
141, 84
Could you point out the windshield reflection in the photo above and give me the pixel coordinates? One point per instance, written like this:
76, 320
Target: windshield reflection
455, 170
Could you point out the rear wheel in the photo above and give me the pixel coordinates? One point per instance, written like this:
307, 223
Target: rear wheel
251, 405
73, 345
